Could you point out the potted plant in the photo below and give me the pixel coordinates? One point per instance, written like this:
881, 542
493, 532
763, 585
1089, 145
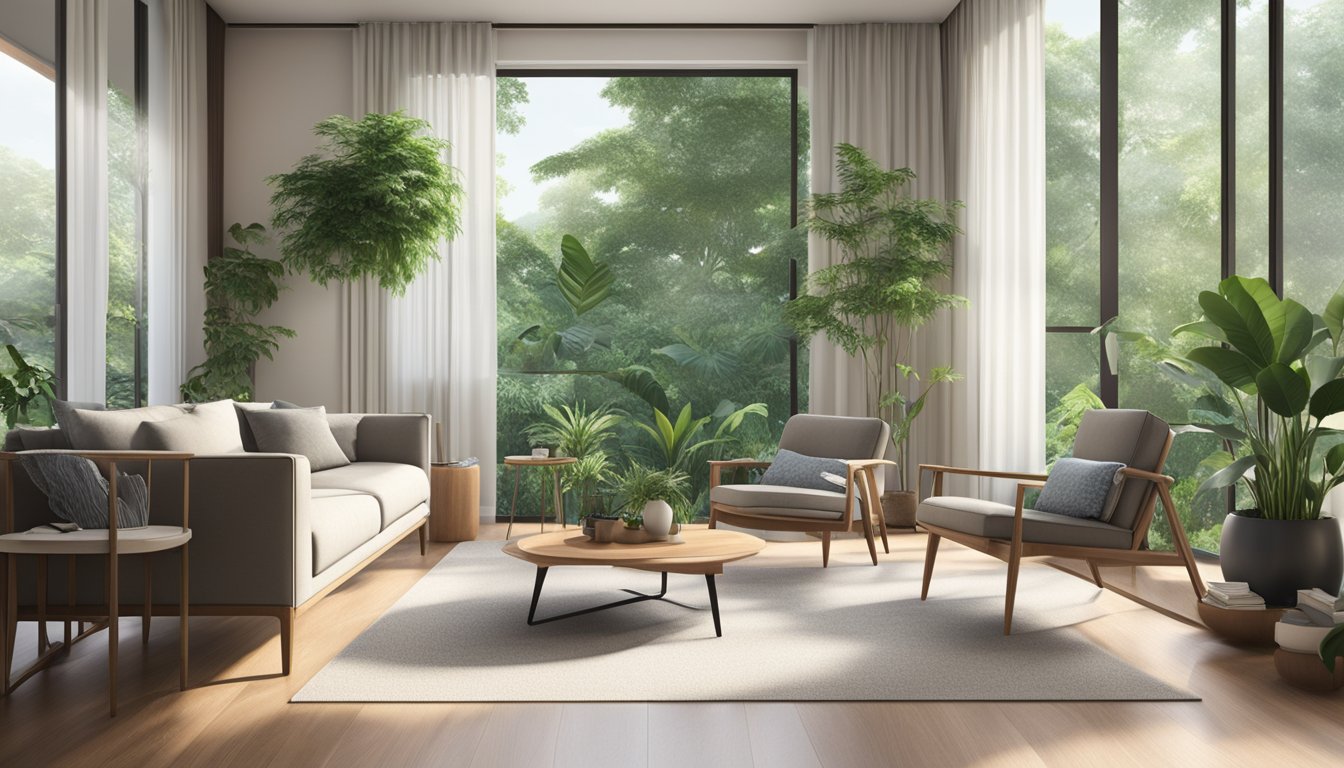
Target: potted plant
885, 287
650, 496
584, 435
376, 200
1271, 371
27, 384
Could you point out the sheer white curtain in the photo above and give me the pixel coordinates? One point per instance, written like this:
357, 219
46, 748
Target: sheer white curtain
178, 239
878, 87
994, 75
85, 297
433, 350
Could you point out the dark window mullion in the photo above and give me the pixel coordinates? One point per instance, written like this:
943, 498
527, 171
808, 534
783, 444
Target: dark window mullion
1276, 145
1110, 189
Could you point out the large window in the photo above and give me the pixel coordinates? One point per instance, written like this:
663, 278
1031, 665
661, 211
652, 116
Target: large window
683, 185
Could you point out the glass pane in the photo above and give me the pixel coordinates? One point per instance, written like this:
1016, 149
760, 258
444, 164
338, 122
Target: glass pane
1253, 138
1072, 164
1071, 384
28, 308
125, 213
1313, 150
681, 186
1169, 239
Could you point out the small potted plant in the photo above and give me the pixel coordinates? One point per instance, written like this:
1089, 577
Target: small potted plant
650, 496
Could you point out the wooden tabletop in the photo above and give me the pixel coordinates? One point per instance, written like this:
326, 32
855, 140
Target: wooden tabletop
704, 551
130, 541
538, 461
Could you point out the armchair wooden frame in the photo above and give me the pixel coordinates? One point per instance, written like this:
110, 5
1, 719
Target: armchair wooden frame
860, 476
1013, 550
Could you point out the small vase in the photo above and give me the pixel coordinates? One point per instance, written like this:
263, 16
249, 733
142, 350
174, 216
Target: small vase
658, 519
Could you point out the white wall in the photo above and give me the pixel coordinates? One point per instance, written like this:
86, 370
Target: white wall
278, 83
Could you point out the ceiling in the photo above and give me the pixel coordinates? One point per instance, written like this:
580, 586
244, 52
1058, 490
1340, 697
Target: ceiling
586, 11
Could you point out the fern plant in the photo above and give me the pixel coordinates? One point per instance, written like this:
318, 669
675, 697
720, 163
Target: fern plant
375, 200
239, 285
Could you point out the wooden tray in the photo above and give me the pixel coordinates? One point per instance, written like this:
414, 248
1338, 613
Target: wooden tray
1241, 627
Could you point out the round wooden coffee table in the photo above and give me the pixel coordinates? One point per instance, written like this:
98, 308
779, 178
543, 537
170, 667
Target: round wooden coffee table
703, 551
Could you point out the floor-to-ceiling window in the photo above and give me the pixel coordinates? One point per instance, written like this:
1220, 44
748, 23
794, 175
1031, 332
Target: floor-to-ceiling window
682, 184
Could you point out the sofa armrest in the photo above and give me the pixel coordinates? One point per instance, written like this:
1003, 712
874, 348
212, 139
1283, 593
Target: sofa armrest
251, 528
399, 438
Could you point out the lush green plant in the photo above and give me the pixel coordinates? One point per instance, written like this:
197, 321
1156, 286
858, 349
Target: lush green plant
1332, 646
239, 285
679, 445
584, 435
639, 484
1061, 423
583, 283
375, 201
19, 390
1271, 377
874, 300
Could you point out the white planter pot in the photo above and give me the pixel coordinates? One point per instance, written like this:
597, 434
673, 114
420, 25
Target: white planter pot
658, 519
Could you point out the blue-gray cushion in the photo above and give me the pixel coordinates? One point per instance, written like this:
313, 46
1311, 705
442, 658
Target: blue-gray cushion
1080, 488
798, 471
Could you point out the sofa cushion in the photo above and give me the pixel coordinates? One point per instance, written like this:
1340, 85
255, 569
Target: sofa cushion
207, 429
114, 430
23, 438
345, 428
842, 437
60, 409
783, 500
995, 521
1082, 488
343, 521
301, 432
1134, 438
399, 488
796, 470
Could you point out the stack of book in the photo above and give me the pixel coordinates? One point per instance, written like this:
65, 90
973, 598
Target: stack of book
1233, 595
1316, 607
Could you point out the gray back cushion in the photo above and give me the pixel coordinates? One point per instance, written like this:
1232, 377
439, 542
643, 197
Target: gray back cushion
207, 429
345, 428
113, 430
1134, 438
297, 431
835, 437
36, 439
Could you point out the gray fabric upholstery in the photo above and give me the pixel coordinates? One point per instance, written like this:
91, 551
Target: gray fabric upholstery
114, 430
36, 439
835, 437
827, 505
794, 470
345, 428
399, 438
342, 521
993, 520
397, 487
297, 431
61, 409
1082, 488
245, 429
208, 428
1134, 438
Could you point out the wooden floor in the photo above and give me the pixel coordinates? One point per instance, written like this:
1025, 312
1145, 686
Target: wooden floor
237, 711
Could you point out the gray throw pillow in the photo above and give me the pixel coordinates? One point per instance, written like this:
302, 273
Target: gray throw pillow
61, 410
77, 492
207, 429
796, 470
302, 432
113, 430
1081, 488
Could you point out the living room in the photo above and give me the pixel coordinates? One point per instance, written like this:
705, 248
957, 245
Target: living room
934, 382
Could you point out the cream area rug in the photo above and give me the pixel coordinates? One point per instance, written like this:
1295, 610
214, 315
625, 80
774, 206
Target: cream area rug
848, 632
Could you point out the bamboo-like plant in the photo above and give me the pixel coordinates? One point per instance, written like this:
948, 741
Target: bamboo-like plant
375, 200
239, 285
874, 300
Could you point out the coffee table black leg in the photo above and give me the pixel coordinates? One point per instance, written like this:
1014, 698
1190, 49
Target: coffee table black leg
536, 594
714, 604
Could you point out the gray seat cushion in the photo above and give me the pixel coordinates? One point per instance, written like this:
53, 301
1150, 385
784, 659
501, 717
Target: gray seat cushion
784, 501
343, 520
995, 521
399, 488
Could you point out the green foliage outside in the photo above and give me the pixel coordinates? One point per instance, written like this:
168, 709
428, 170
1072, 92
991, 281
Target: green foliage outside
375, 201
239, 285
687, 208
21, 389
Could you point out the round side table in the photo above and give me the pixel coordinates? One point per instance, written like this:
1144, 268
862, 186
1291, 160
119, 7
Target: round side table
553, 463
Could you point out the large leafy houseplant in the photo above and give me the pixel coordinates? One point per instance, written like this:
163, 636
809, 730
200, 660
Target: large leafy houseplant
884, 288
584, 435
239, 285
375, 200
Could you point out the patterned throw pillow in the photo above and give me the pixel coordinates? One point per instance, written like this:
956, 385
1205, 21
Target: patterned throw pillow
1081, 488
77, 492
798, 471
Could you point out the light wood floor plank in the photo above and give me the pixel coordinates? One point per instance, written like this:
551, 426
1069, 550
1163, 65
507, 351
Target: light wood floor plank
703, 735
778, 737
603, 735
519, 736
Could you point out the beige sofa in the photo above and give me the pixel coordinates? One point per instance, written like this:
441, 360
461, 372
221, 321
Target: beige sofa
270, 537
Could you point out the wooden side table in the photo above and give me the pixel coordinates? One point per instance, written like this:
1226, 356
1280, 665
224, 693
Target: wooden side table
454, 502
553, 463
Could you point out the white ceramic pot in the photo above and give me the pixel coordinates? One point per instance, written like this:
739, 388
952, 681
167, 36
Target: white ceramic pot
658, 519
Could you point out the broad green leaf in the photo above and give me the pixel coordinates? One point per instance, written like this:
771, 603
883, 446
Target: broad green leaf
1241, 320
1284, 390
1334, 459
1334, 315
1328, 399
1230, 366
1323, 370
642, 383
1205, 328
585, 283
1254, 297
1298, 324
1228, 475
1332, 647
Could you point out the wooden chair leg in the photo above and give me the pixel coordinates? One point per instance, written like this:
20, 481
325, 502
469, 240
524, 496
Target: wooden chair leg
1014, 562
713, 517
113, 618
825, 548
878, 519
1182, 543
930, 554
147, 602
1096, 573
868, 534
424, 539
286, 639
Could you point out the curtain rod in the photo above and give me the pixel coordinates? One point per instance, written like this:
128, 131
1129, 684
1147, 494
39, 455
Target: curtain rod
353, 25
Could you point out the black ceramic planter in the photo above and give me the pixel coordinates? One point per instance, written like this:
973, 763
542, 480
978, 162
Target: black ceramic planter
1279, 557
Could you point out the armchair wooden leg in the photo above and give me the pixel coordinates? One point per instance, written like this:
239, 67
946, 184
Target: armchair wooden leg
868, 534
1014, 561
930, 554
825, 548
878, 519
1096, 573
713, 517
1182, 543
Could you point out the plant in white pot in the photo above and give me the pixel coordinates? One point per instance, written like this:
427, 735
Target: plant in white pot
651, 497
885, 286
1271, 375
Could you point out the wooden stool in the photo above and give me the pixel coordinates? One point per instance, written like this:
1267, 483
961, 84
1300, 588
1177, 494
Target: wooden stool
554, 463
454, 502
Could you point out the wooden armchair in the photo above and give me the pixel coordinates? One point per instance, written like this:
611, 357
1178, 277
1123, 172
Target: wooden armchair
859, 442
1135, 438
